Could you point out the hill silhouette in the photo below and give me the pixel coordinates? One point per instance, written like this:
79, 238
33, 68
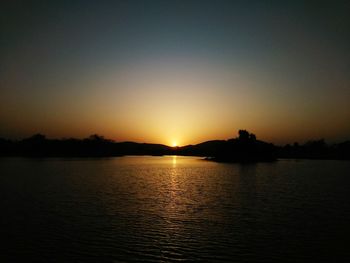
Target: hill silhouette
244, 148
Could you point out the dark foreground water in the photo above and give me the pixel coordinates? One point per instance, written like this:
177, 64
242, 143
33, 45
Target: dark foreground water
173, 209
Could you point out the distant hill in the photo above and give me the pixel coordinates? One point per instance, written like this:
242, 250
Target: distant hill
209, 148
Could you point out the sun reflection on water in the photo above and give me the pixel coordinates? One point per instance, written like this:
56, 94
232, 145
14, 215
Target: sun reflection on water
174, 161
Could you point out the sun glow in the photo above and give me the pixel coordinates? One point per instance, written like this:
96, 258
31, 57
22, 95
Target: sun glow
174, 144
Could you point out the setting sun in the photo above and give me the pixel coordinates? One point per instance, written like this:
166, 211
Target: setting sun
174, 144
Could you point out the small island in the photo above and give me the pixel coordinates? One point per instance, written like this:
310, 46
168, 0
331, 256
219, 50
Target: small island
245, 148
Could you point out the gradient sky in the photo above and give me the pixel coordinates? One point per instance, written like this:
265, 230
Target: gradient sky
184, 71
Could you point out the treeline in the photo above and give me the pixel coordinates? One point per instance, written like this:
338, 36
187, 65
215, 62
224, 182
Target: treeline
94, 146
244, 148
316, 149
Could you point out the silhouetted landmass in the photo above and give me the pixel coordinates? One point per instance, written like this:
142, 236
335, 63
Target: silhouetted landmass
316, 149
244, 148
94, 146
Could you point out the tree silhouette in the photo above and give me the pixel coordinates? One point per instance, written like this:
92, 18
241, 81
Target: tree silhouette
243, 135
252, 137
96, 137
37, 138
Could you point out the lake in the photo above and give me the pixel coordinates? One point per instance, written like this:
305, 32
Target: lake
172, 209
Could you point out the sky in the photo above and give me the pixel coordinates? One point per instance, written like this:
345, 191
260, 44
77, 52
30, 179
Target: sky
175, 72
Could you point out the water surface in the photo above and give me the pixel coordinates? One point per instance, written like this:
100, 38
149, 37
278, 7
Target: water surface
172, 209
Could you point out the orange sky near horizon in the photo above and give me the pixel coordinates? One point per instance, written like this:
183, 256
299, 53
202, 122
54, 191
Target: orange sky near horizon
174, 102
